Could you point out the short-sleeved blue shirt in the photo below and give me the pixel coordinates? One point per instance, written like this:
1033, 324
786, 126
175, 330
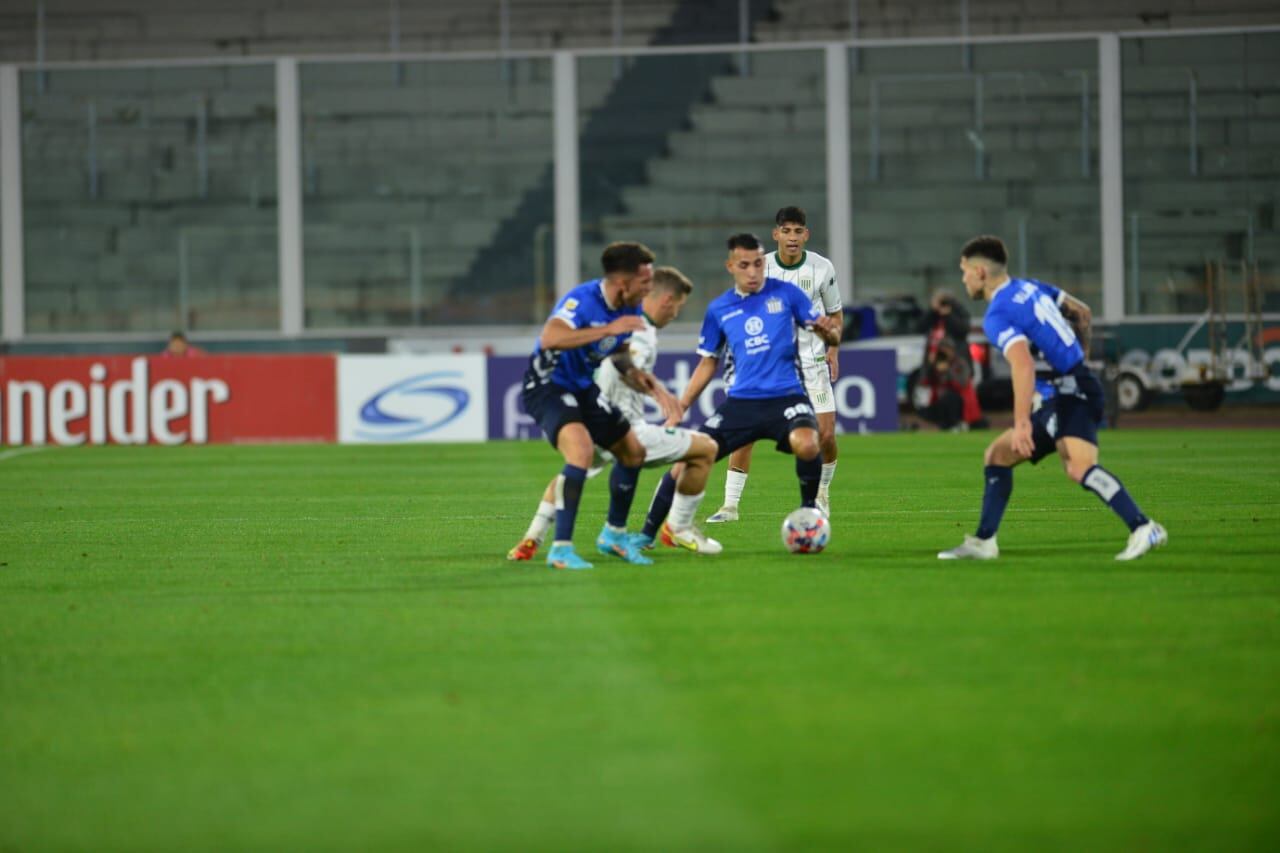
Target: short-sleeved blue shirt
1026, 309
759, 332
582, 307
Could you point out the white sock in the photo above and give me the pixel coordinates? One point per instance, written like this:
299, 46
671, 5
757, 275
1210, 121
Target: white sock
828, 474
682, 509
542, 519
734, 483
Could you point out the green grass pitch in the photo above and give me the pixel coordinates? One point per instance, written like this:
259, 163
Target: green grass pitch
323, 648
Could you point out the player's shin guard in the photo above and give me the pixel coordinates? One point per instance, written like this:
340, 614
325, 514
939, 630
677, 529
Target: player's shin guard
568, 495
810, 474
660, 506
1112, 492
995, 497
622, 491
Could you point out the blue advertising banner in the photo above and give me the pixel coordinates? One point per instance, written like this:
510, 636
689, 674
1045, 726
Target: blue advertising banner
866, 393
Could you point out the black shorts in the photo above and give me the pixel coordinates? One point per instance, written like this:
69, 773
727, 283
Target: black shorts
1074, 411
553, 406
739, 422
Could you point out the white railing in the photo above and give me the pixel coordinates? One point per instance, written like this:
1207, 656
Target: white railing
567, 224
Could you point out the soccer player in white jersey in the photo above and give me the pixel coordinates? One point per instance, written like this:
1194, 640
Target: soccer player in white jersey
819, 363
663, 445
1027, 319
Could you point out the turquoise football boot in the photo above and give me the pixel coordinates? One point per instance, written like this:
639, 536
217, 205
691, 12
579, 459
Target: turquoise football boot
620, 543
564, 557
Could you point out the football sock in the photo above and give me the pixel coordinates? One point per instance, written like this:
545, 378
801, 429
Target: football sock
1104, 484
810, 474
660, 506
734, 482
828, 474
542, 519
622, 491
568, 494
995, 497
682, 509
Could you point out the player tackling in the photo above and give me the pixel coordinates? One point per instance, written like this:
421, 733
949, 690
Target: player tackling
1025, 316
662, 445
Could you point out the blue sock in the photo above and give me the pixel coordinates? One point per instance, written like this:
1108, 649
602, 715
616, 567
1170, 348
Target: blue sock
1104, 484
810, 475
995, 497
622, 491
660, 506
571, 495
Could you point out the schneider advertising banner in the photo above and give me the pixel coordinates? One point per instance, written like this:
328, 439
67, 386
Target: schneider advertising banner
384, 399
866, 392
156, 400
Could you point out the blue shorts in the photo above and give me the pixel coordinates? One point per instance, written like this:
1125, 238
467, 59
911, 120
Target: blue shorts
739, 422
1074, 411
553, 406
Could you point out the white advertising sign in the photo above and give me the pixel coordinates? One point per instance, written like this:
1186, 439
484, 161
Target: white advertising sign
384, 399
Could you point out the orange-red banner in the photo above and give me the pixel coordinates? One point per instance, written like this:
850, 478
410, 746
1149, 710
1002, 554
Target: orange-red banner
157, 400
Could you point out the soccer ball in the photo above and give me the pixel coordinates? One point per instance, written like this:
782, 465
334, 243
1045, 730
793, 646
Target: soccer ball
806, 531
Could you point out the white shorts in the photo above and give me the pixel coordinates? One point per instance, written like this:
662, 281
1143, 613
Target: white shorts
662, 446
817, 384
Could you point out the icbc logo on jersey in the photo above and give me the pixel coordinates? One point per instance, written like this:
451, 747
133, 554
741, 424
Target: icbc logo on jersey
150, 400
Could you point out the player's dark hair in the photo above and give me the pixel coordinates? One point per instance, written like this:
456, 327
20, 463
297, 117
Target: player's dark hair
791, 214
672, 281
625, 257
986, 246
746, 241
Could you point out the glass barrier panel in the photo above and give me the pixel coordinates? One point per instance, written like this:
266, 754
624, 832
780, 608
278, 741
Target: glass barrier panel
427, 188
1202, 171
951, 142
149, 199
679, 152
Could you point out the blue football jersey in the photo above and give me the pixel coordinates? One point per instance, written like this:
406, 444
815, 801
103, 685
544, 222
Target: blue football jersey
1026, 309
582, 307
758, 332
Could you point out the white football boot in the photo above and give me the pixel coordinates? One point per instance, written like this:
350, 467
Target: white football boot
972, 548
823, 502
692, 539
1142, 540
728, 512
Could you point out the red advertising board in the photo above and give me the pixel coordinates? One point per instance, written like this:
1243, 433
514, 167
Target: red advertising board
156, 400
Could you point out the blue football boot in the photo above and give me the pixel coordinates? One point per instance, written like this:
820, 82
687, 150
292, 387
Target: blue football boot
564, 557
620, 544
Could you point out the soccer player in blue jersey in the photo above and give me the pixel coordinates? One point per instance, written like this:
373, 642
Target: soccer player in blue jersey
1026, 318
592, 322
757, 321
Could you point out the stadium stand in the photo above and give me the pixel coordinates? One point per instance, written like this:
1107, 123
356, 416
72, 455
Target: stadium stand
146, 29
427, 185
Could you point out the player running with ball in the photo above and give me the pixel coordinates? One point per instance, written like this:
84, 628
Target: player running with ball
757, 322
1024, 316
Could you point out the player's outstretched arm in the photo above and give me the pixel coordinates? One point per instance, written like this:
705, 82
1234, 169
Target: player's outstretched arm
826, 328
833, 351
1080, 317
557, 334
646, 383
702, 376
1023, 367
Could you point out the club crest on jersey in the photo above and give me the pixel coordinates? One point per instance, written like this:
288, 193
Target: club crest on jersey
806, 283
773, 306
607, 344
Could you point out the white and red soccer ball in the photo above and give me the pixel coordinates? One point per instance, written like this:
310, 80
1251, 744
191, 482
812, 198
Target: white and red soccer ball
806, 531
